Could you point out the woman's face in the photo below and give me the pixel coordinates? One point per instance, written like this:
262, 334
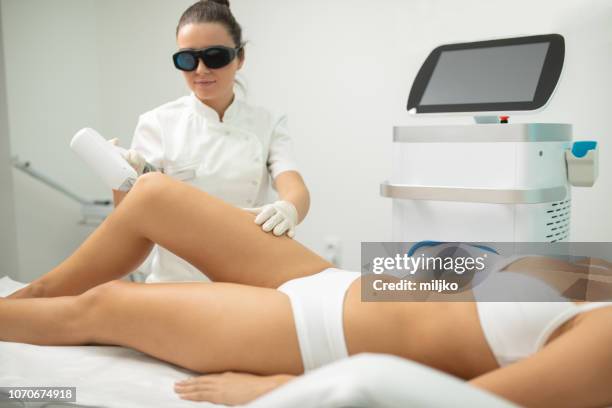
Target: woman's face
209, 84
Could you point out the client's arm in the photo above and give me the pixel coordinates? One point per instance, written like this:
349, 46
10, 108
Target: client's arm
229, 388
573, 370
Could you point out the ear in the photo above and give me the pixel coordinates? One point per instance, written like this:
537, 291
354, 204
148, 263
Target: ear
241, 59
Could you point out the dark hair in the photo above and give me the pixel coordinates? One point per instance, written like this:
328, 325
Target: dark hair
215, 11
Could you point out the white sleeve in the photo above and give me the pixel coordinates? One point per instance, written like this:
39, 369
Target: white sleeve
280, 155
147, 139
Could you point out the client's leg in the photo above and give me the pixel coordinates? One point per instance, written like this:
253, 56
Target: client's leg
219, 239
200, 326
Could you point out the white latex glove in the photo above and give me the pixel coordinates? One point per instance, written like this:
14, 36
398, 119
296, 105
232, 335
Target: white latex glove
132, 157
278, 217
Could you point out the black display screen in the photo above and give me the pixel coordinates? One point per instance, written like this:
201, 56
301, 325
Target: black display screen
499, 75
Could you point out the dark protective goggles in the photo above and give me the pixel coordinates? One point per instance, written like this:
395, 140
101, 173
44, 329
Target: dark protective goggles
214, 57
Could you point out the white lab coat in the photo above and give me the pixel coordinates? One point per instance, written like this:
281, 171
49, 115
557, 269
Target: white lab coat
234, 160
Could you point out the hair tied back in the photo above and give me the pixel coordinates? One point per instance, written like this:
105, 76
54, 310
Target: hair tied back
220, 2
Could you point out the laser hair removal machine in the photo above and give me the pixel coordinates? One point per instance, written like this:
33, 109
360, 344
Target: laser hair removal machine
490, 181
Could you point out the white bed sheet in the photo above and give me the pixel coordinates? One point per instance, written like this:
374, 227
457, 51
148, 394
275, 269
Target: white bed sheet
105, 376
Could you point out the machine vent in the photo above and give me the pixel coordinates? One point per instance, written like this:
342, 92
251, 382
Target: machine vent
558, 221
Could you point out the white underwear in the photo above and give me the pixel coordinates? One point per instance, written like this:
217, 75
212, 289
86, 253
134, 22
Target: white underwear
515, 330
317, 302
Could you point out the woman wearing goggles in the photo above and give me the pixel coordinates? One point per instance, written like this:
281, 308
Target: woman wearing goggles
216, 141
214, 57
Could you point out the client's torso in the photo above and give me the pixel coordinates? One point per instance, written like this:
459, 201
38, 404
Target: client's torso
466, 339
449, 336
443, 335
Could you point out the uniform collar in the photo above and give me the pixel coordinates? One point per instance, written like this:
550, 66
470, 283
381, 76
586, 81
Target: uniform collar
211, 114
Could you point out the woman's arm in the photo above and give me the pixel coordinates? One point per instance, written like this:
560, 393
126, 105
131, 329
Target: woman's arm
573, 370
291, 187
229, 388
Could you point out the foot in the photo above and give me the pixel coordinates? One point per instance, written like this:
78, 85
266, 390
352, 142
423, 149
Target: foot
228, 388
33, 290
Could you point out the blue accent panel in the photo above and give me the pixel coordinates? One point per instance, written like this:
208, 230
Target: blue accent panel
580, 149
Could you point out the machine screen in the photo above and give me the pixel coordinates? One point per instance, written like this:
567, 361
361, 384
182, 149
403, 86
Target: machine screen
500, 74
505, 75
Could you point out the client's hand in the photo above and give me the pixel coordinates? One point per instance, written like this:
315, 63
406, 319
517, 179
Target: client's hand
228, 388
132, 157
279, 217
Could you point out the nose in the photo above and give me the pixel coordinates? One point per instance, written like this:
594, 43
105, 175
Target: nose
202, 68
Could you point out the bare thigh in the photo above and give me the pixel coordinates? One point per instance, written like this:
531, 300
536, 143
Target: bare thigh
216, 237
205, 327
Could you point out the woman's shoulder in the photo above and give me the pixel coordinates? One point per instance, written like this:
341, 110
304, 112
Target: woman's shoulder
171, 108
262, 114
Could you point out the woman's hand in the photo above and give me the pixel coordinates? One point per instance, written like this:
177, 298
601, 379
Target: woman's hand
134, 158
279, 217
228, 388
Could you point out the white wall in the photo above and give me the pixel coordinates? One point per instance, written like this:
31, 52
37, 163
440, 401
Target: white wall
342, 70
52, 85
8, 238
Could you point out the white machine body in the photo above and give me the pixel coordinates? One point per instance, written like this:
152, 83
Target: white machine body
482, 182
105, 159
491, 181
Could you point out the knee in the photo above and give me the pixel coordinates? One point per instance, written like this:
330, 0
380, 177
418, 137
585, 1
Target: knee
94, 310
92, 300
152, 184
